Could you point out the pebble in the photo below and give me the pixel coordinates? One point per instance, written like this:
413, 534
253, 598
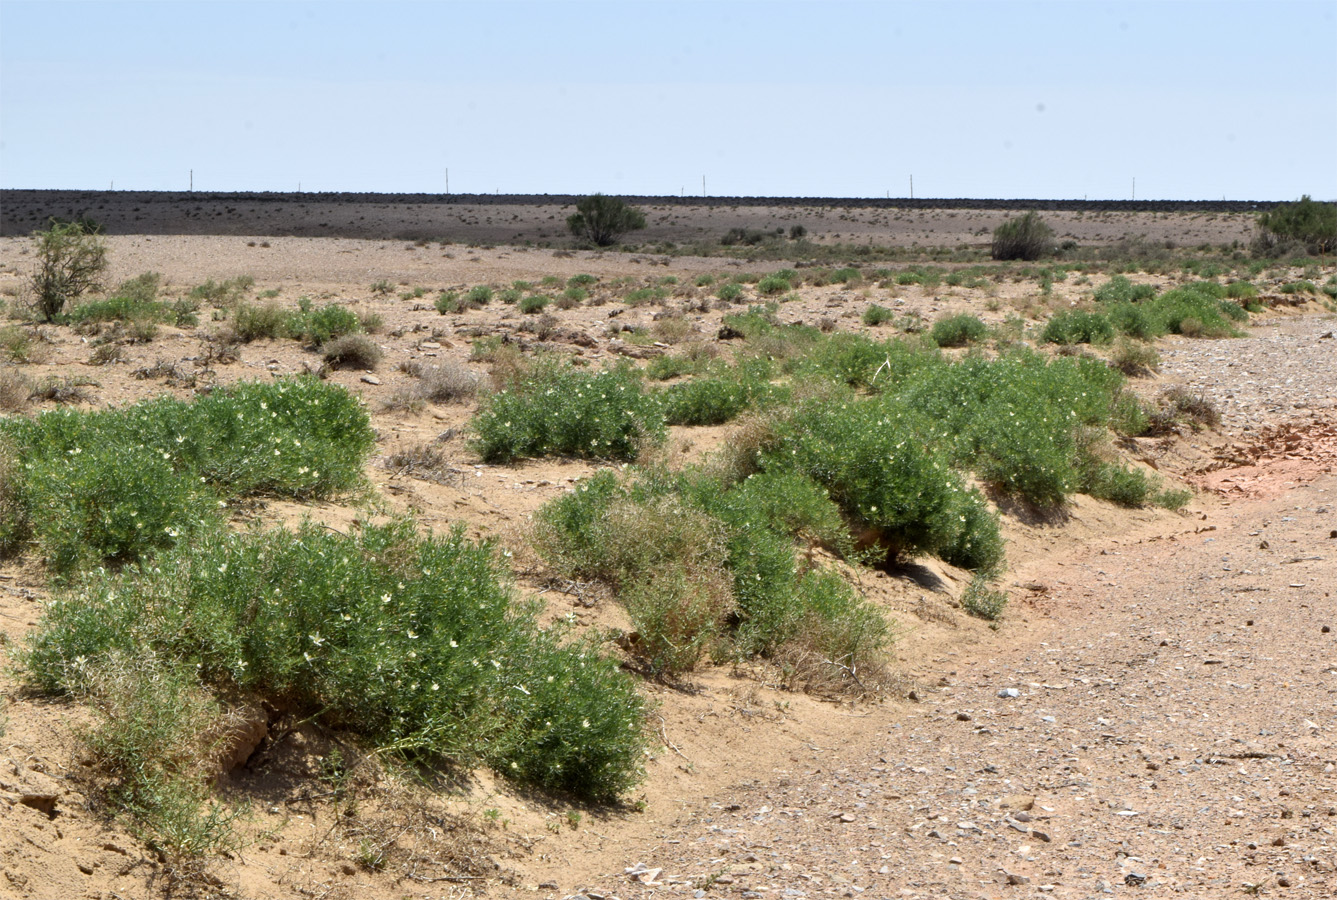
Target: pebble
1009, 693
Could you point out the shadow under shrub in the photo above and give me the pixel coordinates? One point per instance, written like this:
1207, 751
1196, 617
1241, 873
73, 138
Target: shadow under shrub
416, 644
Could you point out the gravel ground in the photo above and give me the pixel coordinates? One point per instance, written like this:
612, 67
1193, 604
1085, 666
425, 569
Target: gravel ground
1285, 371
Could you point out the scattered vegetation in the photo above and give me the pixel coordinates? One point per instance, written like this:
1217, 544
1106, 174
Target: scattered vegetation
1306, 221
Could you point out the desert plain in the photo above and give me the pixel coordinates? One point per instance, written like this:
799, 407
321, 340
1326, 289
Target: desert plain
1151, 716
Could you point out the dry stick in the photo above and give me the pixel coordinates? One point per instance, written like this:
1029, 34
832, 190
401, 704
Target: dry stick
663, 729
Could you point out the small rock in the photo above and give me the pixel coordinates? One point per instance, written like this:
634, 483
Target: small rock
1279, 842
1134, 879
955, 861
963, 717
1018, 801
1283, 881
1009, 693
1040, 836
370, 379
1014, 878
547, 885
1326, 629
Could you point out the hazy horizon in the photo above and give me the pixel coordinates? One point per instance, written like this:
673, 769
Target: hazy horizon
834, 100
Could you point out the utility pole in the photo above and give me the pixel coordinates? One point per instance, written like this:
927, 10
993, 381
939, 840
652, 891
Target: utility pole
912, 187
703, 185
447, 180
192, 181
1134, 187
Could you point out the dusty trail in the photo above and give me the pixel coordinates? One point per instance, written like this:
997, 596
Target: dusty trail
1172, 723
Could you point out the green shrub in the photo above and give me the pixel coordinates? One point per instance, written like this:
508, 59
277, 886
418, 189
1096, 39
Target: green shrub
555, 410
730, 292
414, 643
1120, 290
479, 295
510, 296
1136, 320
1077, 326
582, 280
959, 330
156, 740
318, 327
875, 315
534, 304
602, 220
119, 485
982, 601
448, 302
889, 483
717, 399
1241, 290
251, 322
71, 261
1299, 287
1312, 223
574, 296
222, 293
1027, 237
1196, 310
773, 284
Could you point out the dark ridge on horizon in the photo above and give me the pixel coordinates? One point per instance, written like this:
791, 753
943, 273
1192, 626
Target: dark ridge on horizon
31, 195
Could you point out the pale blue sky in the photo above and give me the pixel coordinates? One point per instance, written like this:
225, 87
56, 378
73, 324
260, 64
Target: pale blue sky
1196, 100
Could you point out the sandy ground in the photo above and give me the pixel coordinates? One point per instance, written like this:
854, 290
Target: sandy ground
1174, 705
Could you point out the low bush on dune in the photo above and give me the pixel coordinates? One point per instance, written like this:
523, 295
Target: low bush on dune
414, 644
555, 410
117, 485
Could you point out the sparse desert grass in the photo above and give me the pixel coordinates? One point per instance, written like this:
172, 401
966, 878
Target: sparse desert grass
15, 390
1136, 360
222, 293
447, 382
1178, 405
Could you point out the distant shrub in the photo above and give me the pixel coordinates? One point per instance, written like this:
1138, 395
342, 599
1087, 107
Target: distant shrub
797, 232
959, 330
1076, 326
875, 315
479, 295
730, 292
448, 302
555, 410
71, 260
1299, 287
1120, 290
222, 293
602, 220
1307, 221
534, 304
320, 326
582, 280
1026, 238
252, 322
982, 601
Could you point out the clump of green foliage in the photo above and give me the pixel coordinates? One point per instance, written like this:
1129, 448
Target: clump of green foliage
706, 566
222, 293
1305, 221
875, 315
958, 330
116, 486
1026, 237
1078, 326
602, 220
553, 409
71, 261
415, 644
